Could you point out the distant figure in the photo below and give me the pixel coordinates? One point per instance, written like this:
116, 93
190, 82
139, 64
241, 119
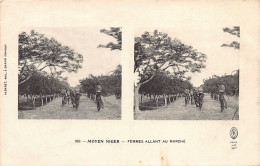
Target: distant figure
77, 97
174, 96
198, 97
187, 96
64, 97
72, 96
191, 96
68, 96
98, 97
223, 102
201, 96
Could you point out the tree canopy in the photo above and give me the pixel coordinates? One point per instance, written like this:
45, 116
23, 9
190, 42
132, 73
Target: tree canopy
158, 51
116, 33
111, 83
233, 31
163, 83
44, 84
231, 83
37, 53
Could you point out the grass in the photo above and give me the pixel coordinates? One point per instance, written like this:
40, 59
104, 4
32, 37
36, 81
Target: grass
24, 105
150, 104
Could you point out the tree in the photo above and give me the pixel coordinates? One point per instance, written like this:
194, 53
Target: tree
163, 83
233, 31
111, 83
37, 53
231, 83
43, 85
157, 51
117, 71
115, 33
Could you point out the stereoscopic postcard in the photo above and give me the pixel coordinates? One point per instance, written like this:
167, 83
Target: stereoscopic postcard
129, 83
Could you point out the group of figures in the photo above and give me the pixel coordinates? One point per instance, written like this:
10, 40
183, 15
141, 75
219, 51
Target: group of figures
72, 96
194, 96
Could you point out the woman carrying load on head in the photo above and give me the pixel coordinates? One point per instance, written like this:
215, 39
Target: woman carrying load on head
98, 97
77, 95
223, 102
200, 97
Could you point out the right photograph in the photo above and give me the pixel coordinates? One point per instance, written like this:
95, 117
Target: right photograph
186, 73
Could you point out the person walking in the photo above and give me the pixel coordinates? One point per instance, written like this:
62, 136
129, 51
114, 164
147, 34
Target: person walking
64, 97
77, 97
187, 96
72, 97
98, 97
223, 102
196, 96
200, 97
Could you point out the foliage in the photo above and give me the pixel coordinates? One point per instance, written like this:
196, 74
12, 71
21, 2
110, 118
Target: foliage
37, 53
157, 51
111, 83
234, 44
164, 83
115, 33
233, 31
231, 83
41, 83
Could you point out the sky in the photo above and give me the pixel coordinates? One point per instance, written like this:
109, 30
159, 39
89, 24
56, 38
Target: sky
84, 41
97, 61
208, 40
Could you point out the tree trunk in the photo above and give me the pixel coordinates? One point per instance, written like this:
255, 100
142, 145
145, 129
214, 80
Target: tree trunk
137, 87
41, 100
141, 99
33, 100
165, 99
156, 100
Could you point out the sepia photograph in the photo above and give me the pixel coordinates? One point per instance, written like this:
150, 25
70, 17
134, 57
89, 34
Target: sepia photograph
129, 83
187, 73
69, 73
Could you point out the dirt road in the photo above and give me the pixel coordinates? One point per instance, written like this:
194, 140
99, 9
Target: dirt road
178, 111
87, 110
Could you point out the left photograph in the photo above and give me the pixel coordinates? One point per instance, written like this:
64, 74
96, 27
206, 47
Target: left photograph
69, 73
